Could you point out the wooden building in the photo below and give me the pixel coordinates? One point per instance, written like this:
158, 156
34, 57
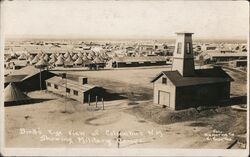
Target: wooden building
186, 87
238, 63
224, 57
28, 78
118, 62
80, 91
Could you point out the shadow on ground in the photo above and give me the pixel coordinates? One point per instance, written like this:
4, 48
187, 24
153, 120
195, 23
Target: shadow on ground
27, 102
237, 100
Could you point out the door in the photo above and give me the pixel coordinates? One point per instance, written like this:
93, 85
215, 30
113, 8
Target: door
164, 98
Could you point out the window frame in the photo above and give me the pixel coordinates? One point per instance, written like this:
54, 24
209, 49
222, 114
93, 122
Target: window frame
55, 86
68, 90
179, 47
75, 92
188, 47
164, 80
48, 84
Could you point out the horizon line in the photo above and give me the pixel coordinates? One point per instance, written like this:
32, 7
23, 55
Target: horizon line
119, 38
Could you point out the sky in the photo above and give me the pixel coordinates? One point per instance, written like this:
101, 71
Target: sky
125, 19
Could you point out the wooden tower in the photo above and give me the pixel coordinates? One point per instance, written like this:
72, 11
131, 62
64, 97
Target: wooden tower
183, 59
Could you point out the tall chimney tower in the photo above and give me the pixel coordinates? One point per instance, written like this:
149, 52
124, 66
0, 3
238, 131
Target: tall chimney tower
183, 58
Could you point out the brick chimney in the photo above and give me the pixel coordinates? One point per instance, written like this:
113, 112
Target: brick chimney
83, 80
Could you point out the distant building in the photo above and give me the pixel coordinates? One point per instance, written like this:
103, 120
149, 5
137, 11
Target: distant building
118, 62
80, 91
225, 57
208, 47
238, 63
186, 87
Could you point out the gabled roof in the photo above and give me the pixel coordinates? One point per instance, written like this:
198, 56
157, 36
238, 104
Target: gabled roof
202, 76
23, 74
70, 84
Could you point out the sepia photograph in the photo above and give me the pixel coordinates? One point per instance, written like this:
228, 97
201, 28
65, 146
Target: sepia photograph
124, 78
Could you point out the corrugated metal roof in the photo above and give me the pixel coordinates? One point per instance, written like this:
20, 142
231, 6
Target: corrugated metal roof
70, 84
202, 76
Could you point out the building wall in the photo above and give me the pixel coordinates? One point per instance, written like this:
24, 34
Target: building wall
237, 63
138, 64
227, 58
201, 95
62, 91
169, 87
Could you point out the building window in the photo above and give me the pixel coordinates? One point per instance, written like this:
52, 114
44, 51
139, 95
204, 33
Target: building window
67, 90
179, 48
48, 84
188, 47
75, 92
164, 80
55, 86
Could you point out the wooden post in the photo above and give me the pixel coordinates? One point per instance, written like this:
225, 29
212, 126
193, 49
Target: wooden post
96, 101
89, 99
102, 104
40, 79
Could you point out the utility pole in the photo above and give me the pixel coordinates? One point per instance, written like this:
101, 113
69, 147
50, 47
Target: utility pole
102, 104
96, 101
89, 99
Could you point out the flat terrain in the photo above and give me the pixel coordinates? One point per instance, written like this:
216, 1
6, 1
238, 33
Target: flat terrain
58, 122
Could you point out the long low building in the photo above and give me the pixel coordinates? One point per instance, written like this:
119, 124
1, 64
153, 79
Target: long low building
225, 57
80, 91
118, 62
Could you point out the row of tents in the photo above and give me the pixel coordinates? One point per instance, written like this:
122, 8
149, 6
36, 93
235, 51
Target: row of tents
67, 59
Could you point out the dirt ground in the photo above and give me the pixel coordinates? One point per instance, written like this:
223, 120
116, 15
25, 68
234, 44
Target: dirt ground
54, 121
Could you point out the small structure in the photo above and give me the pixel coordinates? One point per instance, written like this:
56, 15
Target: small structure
13, 96
52, 60
35, 59
78, 62
68, 62
238, 63
186, 87
60, 61
80, 91
22, 57
97, 63
75, 57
